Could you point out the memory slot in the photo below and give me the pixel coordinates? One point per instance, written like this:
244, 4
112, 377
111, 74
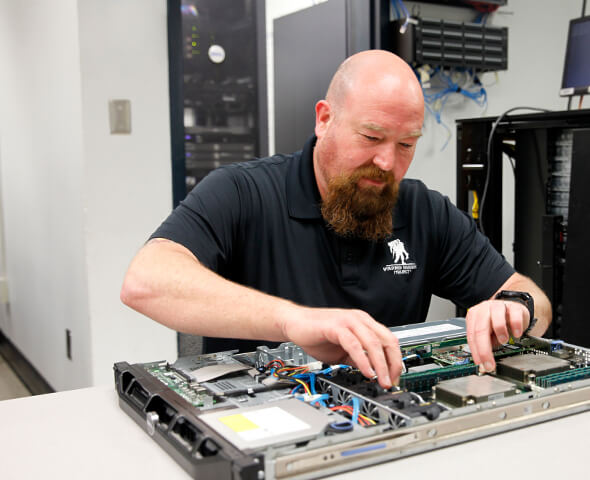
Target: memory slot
547, 381
423, 381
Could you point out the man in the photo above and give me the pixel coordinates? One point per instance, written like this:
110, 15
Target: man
316, 246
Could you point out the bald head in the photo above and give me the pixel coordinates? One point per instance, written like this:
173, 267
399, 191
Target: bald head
372, 117
374, 71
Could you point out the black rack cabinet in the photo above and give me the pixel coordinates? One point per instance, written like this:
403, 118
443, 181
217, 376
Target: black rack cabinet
551, 153
217, 54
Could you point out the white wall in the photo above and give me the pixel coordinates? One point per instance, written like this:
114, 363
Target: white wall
536, 48
77, 201
42, 186
123, 54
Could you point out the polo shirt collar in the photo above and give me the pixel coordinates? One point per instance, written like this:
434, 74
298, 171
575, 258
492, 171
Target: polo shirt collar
303, 196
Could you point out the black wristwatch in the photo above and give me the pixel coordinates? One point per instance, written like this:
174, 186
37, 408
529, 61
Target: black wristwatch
522, 297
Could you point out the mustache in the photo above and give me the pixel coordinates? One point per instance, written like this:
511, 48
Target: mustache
373, 172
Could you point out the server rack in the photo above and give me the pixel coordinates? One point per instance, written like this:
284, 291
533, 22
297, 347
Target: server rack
551, 210
218, 106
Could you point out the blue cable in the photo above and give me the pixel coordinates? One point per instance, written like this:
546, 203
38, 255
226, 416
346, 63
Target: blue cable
320, 400
312, 383
403, 7
394, 5
310, 379
356, 406
408, 356
345, 426
436, 116
405, 13
448, 137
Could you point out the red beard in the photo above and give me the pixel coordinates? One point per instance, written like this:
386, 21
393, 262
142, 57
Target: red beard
364, 212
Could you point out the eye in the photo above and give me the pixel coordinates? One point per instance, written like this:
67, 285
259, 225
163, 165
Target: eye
407, 145
370, 138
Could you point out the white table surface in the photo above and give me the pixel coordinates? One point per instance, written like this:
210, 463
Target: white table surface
83, 434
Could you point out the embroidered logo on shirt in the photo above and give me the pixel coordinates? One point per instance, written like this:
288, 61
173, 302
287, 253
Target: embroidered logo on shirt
400, 265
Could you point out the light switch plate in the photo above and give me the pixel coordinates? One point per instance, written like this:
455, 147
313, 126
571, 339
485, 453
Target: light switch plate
120, 116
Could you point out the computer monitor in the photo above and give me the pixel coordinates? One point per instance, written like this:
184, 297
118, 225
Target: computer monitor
576, 69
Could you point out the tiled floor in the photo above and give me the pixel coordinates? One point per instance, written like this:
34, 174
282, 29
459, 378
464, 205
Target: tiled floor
10, 385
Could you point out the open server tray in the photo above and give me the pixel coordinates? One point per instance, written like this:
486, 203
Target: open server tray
277, 413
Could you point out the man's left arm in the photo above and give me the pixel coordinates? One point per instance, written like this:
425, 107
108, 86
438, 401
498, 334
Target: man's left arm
492, 322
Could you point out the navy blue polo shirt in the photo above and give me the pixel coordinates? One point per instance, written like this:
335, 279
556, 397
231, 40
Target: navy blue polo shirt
259, 224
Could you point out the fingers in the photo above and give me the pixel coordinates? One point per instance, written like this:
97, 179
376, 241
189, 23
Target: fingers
354, 348
393, 355
517, 315
385, 349
376, 356
482, 339
490, 324
335, 335
498, 312
470, 320
373, 348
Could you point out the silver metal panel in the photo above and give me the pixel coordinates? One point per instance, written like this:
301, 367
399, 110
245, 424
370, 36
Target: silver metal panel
401, 443
535, 363
274, 424
525, 368
430, 331
473, 389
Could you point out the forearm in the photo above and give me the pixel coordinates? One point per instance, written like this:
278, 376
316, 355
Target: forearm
543, 312
168, 284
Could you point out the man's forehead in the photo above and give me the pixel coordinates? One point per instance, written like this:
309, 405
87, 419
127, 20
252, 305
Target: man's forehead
380, 128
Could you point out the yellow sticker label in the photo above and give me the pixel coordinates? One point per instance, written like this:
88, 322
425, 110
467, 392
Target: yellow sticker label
238, 423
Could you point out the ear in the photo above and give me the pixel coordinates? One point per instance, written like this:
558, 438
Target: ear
323, 117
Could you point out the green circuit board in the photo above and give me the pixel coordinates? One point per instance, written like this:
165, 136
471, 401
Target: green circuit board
195, 395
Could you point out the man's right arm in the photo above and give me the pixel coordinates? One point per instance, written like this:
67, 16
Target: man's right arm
167, 283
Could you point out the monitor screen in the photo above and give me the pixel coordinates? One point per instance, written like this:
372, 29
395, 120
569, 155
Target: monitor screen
576, 69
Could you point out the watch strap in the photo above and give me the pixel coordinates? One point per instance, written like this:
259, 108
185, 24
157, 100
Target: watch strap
525, 299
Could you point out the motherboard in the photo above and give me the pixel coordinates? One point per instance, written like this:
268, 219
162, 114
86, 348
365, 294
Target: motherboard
277, 413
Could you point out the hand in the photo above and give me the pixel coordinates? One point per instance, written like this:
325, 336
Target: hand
489, 325
351, 337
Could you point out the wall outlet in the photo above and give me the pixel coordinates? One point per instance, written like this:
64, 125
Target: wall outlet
120, 116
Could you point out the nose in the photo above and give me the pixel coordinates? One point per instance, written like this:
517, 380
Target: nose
385, 158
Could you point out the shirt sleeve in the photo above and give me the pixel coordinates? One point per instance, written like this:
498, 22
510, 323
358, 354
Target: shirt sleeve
207, 220
470, 269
